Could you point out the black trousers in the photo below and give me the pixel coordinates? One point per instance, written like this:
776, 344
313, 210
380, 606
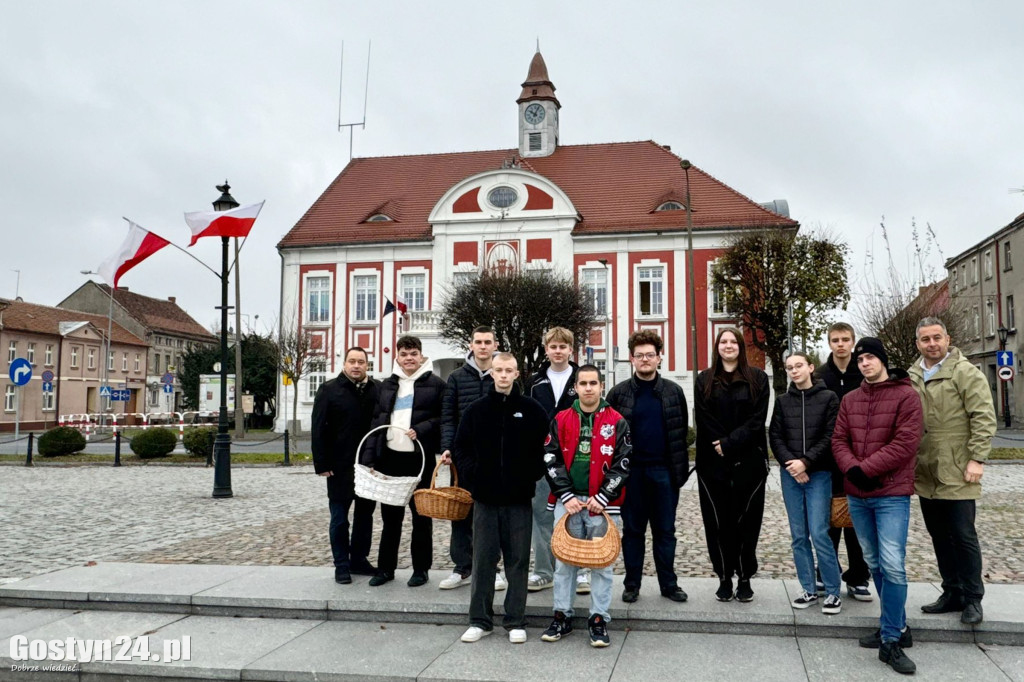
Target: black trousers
732, 510
501, 531
395, 463
461, 548
951, 525
856, 572
342, 497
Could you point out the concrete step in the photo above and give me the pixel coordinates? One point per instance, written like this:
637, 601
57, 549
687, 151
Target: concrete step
293, 592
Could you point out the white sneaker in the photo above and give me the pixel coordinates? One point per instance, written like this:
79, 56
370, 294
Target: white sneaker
537, 583
583, 583
475, 634
499, 582
453, 581
517, 636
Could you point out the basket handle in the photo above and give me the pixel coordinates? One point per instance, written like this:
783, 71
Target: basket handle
455, 475
565, 519
423, 453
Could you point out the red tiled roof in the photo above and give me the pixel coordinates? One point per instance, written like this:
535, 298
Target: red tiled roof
613, 186
44, 319
159, 314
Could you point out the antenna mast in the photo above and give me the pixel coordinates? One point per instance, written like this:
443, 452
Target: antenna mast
366, 90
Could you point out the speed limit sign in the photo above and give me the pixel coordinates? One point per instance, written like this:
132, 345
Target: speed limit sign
1005, 373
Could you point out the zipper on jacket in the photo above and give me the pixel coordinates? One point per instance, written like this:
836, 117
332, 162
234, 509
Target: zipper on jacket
803, 418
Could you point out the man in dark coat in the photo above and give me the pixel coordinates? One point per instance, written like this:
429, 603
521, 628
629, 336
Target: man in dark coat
466, 385
875, 443
342, 411
656, 411
499, 450
841, 376
409, 402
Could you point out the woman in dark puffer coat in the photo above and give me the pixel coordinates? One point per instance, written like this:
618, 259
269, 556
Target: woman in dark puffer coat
801, 438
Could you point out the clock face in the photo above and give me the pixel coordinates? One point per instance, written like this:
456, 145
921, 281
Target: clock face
534, 114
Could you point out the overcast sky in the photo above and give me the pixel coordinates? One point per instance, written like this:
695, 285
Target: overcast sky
850, 111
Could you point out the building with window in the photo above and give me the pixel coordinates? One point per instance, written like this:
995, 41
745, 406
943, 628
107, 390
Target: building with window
68, 343
613, 215
167, 329
988, 300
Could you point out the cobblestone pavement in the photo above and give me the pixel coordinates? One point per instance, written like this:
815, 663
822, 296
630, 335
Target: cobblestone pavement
55, 517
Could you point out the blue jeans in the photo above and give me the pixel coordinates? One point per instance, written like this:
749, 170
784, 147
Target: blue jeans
809, 507
882, 524
582, 525
650, 498
543, 560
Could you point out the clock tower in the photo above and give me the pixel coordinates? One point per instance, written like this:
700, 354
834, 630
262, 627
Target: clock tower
538, 112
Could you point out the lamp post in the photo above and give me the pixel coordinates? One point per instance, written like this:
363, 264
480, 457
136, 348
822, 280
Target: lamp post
686, 165
222, 443
1003, 333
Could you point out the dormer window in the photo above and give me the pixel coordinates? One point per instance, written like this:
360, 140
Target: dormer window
670, 206
378, 218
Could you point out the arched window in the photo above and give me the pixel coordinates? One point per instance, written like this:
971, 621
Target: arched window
378, 218
670, 206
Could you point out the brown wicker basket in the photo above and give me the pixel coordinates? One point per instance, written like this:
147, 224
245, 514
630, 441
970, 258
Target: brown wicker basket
596, 553
840, 513
451, 503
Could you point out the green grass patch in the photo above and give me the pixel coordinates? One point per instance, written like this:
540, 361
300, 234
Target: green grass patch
1007, 453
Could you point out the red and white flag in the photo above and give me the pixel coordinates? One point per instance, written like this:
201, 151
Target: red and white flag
139, 245
400, 304
234, 223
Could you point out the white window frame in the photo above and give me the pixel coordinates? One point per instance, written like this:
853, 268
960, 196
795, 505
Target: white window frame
124, 362
645, 272
976, 315
594, 280
138, 363
1011, 317
48, 401
110, 360
990, 314
323, 315
974, 270
74, 357
30, 353
9, 398
317, 375
365, 297
12, 351
988, 264
48, 355
1007, 256
91, 362
410, 301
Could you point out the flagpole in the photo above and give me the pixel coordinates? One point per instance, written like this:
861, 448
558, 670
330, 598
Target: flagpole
239, 409
170, 243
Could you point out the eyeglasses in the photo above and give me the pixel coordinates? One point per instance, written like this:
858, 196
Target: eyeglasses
644, 356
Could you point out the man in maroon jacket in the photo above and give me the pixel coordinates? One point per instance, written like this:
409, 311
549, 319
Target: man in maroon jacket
875, 445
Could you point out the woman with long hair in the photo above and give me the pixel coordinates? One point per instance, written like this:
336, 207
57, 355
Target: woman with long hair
732, 461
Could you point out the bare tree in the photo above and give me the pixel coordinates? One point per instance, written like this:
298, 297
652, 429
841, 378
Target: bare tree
298, 357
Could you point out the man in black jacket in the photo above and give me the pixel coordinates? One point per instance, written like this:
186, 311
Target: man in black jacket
342, 411
409, 401
499, 450
656, 411
467, 384
553, 386
842, 376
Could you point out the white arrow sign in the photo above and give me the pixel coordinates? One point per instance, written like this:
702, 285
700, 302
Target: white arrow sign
1006, 358
19, 372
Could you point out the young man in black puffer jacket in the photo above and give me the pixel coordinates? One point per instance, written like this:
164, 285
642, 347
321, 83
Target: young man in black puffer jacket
499, 452
801, 438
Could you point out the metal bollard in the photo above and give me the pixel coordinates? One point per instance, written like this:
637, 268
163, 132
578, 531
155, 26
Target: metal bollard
117, 448
28, 457
287, 459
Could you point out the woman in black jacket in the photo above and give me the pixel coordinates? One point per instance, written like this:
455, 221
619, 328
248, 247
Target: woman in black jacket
801, 438
732, 461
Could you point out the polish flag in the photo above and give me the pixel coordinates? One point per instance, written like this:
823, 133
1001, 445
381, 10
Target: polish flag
234, 223
400, 304
139, 245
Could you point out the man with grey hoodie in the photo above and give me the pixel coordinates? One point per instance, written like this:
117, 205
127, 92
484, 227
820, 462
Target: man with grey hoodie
466, 385
409, 399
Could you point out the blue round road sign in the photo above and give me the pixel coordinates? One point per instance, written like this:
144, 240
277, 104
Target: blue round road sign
20, 372
167, 378
47, 376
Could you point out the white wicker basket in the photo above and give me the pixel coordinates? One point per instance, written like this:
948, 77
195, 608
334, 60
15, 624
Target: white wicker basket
373, 485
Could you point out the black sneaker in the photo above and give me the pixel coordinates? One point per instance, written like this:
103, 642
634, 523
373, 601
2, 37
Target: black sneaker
892, 655
342, 576
724, 591
559, 628
598, 631
381, 578
805, 600
362, 567
630, 594
874, 640
418, 578
675, 594
743, 591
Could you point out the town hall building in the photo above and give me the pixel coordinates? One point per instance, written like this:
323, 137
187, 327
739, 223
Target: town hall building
613, 215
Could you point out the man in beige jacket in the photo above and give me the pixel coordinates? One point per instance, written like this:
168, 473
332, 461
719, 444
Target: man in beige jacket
959, 422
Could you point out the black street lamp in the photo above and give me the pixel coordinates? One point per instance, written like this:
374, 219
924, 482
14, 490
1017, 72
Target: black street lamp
1003, 333
222, 443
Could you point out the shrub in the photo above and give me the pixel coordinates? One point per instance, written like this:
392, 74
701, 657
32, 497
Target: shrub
154, 443
62, 440
198, 440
